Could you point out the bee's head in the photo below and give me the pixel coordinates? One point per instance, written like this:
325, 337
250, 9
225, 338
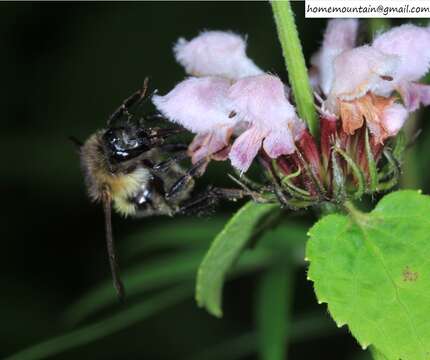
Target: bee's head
127, 142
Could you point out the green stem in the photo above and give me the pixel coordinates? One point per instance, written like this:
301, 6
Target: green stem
309, 327
327, 208
273, 311
356, 215
377, 25
295, 62
411, 177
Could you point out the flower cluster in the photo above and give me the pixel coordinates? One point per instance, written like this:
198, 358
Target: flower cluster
239, 112
228, 95
359, 82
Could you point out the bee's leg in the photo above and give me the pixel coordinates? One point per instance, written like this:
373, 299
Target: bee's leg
179, 151
196, 170
158, 136
226, 193
209, 198
164, 133
275, 181
256, 195
243, 178
153, 116
166, 164
171, 148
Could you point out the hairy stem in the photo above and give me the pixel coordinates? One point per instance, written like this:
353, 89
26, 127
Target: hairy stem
295, 62
377, 25
411, 177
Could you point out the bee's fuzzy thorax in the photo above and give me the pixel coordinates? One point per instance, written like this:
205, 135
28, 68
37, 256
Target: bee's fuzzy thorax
99, 176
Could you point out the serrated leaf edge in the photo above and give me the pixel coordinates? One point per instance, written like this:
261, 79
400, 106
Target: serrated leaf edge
362, 342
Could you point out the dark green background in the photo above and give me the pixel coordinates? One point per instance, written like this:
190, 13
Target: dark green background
64, 70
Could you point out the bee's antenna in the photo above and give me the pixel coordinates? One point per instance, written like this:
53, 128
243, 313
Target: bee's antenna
113, 262
78, 144
134, 100
144, 88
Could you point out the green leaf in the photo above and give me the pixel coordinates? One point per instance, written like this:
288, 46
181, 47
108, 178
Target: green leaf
308, 327
223, 252
93, 332
176, 235
288, 239
373, 272
166, 271
275, 290
376, 355
274, 296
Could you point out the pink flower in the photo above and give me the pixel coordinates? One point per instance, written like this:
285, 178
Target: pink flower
412, 45
359, 71
201, 106
394, 118
359, 82
216, 53
261, 102
360, 74
339, 36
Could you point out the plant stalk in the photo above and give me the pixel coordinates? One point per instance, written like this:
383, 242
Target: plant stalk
356, 215
273, 311
377, 25
295, 62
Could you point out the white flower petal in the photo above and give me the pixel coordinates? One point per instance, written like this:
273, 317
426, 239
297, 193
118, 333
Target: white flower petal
279, 143
205, 145
215, 53
261, 102
339, 36
198, 104
245, 149
358, 71
394, 118
412, 44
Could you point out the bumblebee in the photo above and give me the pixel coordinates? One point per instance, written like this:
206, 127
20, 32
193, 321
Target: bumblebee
134, 169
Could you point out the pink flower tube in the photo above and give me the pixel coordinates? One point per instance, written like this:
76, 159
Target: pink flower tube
261, 102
